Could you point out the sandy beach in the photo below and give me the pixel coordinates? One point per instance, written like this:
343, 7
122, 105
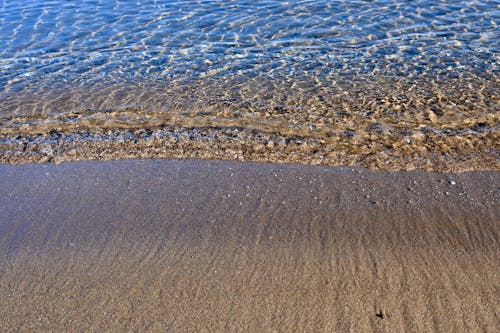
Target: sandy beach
249, 166
205, 246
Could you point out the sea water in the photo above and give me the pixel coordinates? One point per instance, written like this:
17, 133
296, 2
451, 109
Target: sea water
386, 84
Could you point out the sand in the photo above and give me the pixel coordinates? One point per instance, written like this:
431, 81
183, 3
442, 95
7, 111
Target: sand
194, 246
433, 123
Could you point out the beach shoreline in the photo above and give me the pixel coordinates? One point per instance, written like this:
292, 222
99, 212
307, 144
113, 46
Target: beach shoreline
249, 166
434, 152
237, 246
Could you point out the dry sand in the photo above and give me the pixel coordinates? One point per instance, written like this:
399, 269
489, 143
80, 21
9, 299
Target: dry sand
193, 246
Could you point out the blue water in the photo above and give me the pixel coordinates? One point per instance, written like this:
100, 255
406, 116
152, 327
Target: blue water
88, 42
325, 67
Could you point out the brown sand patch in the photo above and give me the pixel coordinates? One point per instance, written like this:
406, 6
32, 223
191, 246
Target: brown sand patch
223, 246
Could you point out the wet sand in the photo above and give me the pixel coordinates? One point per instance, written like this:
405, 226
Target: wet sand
437, 124
169, 245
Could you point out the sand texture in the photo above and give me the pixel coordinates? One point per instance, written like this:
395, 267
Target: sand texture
443, 124
200, 246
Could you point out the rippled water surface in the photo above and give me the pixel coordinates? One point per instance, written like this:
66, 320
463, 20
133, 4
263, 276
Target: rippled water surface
347, 78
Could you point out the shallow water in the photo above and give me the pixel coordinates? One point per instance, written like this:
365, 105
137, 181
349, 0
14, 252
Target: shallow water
387, 84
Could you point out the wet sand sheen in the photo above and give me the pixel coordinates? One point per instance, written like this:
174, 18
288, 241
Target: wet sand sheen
226, 246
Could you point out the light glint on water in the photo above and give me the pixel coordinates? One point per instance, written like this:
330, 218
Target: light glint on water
320, 69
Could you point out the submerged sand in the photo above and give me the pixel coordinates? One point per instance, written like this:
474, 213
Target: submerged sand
183, 246
433, 123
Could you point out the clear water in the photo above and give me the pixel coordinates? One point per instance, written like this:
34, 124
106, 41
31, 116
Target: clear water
325, 67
